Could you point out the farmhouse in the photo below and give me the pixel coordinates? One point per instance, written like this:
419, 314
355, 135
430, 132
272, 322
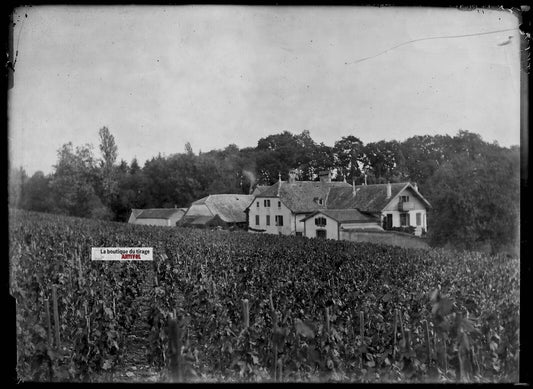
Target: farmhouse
306, 207
156, 216
225, 210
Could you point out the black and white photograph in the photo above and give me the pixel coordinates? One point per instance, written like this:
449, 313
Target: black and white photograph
266, 193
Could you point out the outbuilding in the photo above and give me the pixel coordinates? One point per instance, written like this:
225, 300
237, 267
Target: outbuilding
328, 223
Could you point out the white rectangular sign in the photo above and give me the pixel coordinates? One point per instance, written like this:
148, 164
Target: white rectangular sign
121, 253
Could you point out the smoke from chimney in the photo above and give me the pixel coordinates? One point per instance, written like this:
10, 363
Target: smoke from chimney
251, 178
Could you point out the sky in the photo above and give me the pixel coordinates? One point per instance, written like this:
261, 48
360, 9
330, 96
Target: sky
161, 76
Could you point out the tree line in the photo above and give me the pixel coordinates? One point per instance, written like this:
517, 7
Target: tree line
473, 185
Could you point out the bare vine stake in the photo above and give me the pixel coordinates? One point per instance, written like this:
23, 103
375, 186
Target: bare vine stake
49, 325
175, 350
56, 315
246, 313
428, 344
394, 331
114, 310
407, 339
274, 328
80, 273
280, 371
327, 321
48, 321
445, 357
402, 329
361, 334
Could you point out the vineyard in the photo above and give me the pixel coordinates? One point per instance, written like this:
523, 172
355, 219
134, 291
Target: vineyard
240, 307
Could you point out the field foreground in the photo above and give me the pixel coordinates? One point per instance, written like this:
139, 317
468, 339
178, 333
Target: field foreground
255, 308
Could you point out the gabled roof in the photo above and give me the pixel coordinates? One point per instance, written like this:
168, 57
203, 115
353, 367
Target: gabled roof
259, 189
302, 196
229, 207
346, 216
134, 214
368, 198
159, 213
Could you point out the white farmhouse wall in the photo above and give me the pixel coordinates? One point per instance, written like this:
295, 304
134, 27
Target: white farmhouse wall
369, 226
419, 207
331, 227
272, 211
298, 224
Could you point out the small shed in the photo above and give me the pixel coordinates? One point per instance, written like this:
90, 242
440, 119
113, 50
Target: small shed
328, 223
157, 216
201, 221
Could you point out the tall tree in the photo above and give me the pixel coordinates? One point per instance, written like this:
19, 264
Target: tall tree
476, 200
74, 181
348, 153
108, 150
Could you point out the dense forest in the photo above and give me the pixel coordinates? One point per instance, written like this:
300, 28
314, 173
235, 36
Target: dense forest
473, 186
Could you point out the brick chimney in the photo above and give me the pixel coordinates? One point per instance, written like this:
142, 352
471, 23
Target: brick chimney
325, 176
389, 190
415, 185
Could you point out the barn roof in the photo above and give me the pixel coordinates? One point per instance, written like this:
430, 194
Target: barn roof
134, 214
158, 213
229, 207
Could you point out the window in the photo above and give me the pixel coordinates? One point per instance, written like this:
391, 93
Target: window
299, 233
268, 220
404, 219
321, 234
256, 220
279, 204
320, 221
418, 218
404, 199
267, 203
279, 220
258, 204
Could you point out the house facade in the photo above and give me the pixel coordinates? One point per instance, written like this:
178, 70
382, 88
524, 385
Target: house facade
281, 208
293, 207
330, 223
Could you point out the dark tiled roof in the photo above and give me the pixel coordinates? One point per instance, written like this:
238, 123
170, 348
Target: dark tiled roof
302, 196
229, 207
199, 220
346, 216
259, 189
159, 213
368, 198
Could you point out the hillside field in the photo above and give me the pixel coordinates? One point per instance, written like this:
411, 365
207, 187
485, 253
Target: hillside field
255, 307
